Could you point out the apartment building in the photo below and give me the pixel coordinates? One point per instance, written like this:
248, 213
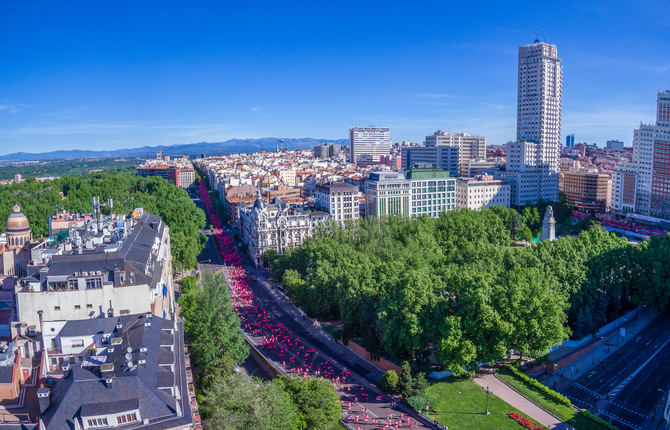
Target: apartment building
482, 191
339, 199
432, 191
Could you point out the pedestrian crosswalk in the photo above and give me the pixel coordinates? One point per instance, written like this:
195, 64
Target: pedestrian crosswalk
591, 392
621, 420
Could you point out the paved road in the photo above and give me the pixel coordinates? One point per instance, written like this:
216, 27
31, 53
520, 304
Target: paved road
603, 349
209, 259
295, 345
270, 322
628, 387
488, 380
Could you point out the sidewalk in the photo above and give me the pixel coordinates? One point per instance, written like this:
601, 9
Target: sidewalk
604, 348
363, 373
363, 367
517, 401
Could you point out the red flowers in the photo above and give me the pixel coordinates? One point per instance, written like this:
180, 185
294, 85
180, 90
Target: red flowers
524, 421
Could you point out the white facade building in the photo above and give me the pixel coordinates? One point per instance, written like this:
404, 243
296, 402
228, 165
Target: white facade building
287, 176
134, 276
539, 104
339, 199
275, 226
368, 144
483, 191
432, 192
642, 186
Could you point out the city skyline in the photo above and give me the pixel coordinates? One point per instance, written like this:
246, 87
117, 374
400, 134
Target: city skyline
201, 74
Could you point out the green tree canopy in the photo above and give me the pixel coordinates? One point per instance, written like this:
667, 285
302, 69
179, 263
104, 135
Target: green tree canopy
232, 401
212, 324
315, 399
40, 200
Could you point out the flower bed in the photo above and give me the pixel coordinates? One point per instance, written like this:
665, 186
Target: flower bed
524, 421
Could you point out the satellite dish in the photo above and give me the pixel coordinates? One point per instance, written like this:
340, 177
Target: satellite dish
129, 356
129, 349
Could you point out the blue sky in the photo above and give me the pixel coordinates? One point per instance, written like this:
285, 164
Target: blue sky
93, 75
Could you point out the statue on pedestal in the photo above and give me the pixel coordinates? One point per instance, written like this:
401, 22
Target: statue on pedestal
549, 225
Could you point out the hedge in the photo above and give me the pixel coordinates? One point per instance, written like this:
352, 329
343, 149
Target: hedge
532, 382
419, 403
598, 420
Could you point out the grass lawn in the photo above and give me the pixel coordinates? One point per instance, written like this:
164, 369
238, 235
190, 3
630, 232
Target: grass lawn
460, 404
563, 412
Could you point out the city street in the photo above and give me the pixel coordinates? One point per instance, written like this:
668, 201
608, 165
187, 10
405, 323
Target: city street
628, 387
285, 337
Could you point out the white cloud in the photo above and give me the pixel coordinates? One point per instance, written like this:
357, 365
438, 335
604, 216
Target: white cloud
153, 131
12, 107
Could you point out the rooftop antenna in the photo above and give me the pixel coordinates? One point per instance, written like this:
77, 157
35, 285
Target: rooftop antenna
537, 36
95, 201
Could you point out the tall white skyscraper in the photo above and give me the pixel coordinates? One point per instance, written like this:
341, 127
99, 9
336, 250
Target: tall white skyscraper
368, 144
532, 163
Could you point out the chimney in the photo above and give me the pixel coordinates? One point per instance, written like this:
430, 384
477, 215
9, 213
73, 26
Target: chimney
39, 315
107, 372
65, 367
43, 397
110, 311
117, 277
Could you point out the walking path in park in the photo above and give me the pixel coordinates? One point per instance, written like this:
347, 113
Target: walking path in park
486, 379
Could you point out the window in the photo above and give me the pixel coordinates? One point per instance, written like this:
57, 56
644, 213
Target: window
89, 306
93, 283
72, 284
58, 286
77, 343
56, 308
77, 307
126, 418
97, 422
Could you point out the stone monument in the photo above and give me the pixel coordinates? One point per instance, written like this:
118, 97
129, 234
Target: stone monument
549, 225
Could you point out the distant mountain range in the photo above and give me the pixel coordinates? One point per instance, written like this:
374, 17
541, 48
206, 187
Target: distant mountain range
192, 149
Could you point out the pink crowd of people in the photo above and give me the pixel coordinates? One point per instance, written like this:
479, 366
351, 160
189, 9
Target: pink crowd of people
629, 226
621, 225
278, 343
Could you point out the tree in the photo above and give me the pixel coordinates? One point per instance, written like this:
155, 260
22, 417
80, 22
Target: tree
212, 325
389, 381
454, 288
420, 384
457, 352
405, 383
39, 200
269, 258
652, 277
231, 401
293, 283
527, 235
316, 401
535, 309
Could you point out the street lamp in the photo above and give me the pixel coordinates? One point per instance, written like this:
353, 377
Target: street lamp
487, 401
